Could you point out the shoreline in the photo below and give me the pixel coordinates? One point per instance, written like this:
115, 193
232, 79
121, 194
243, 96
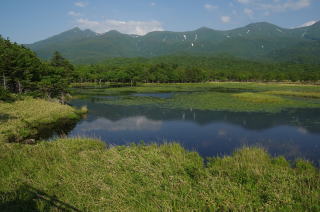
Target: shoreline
31, 119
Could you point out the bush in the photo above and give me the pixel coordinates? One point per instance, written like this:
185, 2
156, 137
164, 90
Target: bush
5, 95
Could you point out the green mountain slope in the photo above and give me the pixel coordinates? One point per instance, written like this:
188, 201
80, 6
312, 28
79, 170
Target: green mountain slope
258, 41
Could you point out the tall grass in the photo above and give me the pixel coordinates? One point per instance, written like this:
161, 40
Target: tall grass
259, 98
176, 87
85, 174
296, 93
22, 119
218, 101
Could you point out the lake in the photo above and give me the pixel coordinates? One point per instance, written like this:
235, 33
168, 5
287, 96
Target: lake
294, 133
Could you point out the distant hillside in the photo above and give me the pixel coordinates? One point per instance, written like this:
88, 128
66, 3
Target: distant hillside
258, 41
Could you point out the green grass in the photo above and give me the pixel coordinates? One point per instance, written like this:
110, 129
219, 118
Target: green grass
248, 97
296, 93
177, 87
248, 102
259, 98
134, 100
26, 118
85, 174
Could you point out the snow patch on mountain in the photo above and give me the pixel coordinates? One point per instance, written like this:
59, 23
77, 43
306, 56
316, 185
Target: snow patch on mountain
309, 23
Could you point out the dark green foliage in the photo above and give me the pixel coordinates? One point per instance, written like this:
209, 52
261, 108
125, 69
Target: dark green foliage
258, 41
5, 95
19, 67
21, 72
193, 69
58, 61
304, 52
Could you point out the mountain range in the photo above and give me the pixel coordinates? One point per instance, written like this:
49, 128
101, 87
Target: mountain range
257, 41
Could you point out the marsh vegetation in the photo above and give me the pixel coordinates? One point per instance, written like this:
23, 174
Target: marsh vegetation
223, 96
30, 119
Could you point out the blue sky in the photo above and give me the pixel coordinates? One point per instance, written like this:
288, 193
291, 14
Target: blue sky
27, 21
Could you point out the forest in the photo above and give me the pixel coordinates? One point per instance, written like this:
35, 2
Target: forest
22, 72
173, 69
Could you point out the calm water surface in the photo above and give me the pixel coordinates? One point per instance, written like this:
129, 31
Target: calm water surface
293, 133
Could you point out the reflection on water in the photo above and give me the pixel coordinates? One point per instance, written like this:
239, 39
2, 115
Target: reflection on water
132, 123
293, 133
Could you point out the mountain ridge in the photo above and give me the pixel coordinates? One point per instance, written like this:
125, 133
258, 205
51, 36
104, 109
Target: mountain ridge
254, 41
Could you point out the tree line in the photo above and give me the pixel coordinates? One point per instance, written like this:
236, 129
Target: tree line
22, 72
172, 69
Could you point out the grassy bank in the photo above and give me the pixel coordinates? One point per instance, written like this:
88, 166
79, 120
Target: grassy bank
178, 87
296, 93
82, 174
30, 117
224, 96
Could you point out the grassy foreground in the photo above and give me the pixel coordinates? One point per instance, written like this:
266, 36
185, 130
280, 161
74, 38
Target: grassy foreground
27, 118
84, 175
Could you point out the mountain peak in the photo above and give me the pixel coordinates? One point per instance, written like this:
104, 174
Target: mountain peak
261, 24
112, 32
204, 29
308, 24
75, 29
317, 23
256, 40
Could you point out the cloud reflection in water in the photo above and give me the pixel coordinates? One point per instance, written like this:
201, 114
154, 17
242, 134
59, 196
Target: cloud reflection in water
132, 123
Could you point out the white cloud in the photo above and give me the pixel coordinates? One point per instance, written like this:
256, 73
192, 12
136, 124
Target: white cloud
80, 4
297, 5
309, 23
277, 5
73, 13
244, 1
210, 7
248, 12
302, 130
128, 27
225, 19
152, 4
85, 23
287, 5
